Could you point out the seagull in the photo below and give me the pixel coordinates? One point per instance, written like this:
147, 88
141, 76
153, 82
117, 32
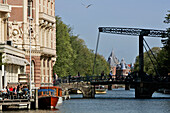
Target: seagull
87, 5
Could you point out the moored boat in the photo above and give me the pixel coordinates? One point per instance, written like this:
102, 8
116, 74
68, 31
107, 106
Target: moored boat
100, 90
48, 97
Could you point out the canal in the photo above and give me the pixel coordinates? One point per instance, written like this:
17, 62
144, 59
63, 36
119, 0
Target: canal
115, 101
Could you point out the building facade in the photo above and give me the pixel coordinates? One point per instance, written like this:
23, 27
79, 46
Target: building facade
14, 65
38, 17
118, 69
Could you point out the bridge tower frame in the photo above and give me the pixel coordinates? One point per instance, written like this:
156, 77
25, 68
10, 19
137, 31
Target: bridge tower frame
134, 32
141, 89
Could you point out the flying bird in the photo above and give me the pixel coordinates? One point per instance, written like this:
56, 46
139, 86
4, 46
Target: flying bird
87, 6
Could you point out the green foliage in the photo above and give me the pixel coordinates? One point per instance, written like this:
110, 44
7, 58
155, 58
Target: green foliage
83, 57
101, 65
163, 59
163, 55
73, 56
166, 41
64, 50
148, 66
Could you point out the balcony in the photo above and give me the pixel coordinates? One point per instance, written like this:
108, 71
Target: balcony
47, 17
5, 8
48, 51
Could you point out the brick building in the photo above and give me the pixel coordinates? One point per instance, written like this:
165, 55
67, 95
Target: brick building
43, 49
118, 68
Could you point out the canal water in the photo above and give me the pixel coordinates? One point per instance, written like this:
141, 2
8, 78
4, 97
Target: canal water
115, 101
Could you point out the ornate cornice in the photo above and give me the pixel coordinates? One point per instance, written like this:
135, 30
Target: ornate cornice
5, 8
43, 16
12, 50
48, 51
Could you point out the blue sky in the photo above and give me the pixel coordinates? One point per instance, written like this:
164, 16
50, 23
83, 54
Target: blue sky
147, 14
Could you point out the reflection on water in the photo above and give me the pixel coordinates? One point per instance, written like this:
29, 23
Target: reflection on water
115, 101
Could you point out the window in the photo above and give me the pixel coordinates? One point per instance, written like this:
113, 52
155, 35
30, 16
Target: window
21, 69
39, 93
47, 92
44, 92
47, 63
0, 61
52, 93
44, 63
12, 69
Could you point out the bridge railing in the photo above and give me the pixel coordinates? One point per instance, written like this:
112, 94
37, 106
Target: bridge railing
87, 78
131, 79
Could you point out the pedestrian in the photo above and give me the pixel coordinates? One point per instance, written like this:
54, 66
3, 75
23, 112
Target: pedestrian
102, 75
110, 75
4, 93
18, 86
69, 78
56, 76
15, 90
10, 88
78, 77
78, 74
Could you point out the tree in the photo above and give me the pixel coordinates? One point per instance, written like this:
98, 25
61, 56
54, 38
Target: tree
73, 56
164, 55
149, 68
166, 40
101, 65
64, 50
82, 56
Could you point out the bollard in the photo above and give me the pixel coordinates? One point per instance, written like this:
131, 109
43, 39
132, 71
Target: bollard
36, 98
28, 106
0, 107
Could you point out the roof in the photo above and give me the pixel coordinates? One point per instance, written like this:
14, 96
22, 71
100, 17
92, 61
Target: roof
112, 60
40, 90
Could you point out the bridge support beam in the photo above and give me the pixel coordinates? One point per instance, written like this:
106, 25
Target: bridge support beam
110, 87
88, 92
127, 86
141, 62
144, 90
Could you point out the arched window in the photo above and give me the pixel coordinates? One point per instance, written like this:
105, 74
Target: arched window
32, 70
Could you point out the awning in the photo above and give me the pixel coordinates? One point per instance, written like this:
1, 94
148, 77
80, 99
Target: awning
16, 60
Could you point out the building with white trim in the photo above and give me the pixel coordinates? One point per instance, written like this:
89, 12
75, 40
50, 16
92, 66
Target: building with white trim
14, 28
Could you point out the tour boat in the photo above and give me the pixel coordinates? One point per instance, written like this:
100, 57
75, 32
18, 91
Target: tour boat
100, 90
48, 97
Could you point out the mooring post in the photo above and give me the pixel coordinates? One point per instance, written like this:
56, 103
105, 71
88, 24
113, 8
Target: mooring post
0, 107
29, 106
36, 98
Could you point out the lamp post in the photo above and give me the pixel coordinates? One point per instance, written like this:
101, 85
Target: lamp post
30, 54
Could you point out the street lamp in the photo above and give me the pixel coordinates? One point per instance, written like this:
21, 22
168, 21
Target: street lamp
30, 53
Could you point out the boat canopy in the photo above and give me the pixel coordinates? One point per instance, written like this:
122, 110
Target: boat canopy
41, 90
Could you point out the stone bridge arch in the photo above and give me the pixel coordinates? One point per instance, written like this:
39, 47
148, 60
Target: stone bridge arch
88, 91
